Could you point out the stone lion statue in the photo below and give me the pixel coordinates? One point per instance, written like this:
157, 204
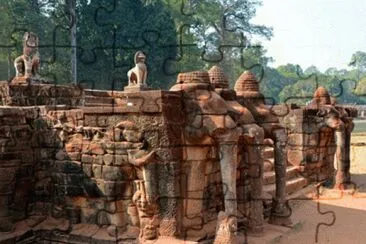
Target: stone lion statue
137, 75
27, 65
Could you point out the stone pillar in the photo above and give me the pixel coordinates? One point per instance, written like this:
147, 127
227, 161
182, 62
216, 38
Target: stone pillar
228, 149
228, 165
151, 186
347, 143
254, 136
280, 214
195, 183
340, 157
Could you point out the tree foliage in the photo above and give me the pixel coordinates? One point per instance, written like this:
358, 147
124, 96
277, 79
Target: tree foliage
177, 36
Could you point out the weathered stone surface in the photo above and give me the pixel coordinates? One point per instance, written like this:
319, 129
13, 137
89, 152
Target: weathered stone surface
197, 153
96, 148
74, 156
68, 166
73, 147
98, 159
119, 147
117, 219
295, 157
97, 171
108, 159
87, 169
132, 135
88, 215
111, 159
120, 159
170, 154
82, 157
87, 159
295, 140
112, 173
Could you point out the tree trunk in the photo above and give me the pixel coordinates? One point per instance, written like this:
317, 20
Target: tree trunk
9, 63
72, 11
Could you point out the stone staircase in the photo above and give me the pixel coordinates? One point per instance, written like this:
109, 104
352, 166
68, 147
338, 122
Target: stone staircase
294, 181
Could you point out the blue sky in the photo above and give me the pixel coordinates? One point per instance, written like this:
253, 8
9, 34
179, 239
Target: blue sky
324, 33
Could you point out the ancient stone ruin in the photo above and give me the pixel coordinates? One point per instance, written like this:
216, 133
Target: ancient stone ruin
198, 162
27, 65
320, 134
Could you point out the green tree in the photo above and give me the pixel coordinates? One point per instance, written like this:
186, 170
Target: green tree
273, 83
220, 32
17, 17
311, 70
110, 36
361, 87
358, 60
291, 71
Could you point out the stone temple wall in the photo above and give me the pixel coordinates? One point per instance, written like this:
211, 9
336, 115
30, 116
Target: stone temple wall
312, 141
17, 169
311, 144
70, 161
76, 157
70, 158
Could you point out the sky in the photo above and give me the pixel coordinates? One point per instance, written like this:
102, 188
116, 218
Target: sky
324, 33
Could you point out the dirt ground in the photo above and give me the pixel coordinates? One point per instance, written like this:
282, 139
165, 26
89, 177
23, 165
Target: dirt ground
337, 218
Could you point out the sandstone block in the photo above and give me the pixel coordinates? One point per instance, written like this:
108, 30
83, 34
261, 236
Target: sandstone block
98, 160
196, 153
311, 139
115, 189
295, 157
295, 139
132, 135
73, 147
108, 159
87, 169
87, 159
170, 154
120, 159
68, 166
93, 148
124, 189
97, 171
118, 219
118, 147
74, 156
89, 216
111, 173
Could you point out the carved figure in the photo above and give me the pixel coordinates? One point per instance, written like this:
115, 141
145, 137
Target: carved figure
147, 212
251, 139
210, 117
27, 65
321, 97
226, 228
340, 120
137, 75
248, 95
144, 212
